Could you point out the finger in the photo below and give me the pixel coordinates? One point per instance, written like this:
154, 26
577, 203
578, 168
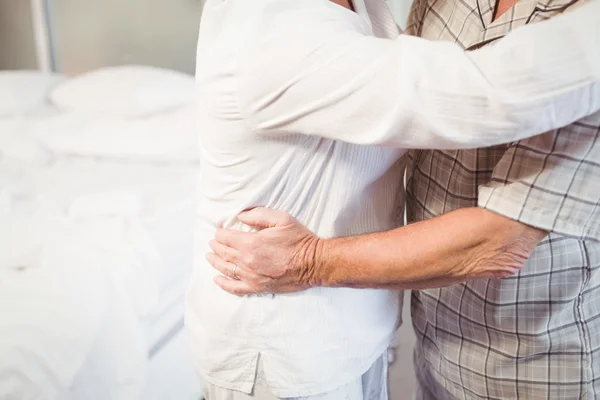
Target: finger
226, 268
225, 252
261, 217
239, 288
231, 237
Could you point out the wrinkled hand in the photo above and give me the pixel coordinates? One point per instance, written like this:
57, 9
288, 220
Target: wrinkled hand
279, 258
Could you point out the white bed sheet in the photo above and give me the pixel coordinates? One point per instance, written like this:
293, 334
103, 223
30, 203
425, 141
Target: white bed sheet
82, 324
172, 374
161, 201
59, 305
138, 289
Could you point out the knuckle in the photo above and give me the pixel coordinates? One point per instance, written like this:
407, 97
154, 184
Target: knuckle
223, 266
249, 260
251, 243
218, 250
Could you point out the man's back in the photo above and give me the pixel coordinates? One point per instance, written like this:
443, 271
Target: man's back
321, 339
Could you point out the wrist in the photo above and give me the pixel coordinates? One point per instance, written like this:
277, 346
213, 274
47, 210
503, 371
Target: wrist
324, 269
315, 252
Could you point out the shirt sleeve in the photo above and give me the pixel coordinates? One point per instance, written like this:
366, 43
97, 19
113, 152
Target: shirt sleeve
319, 75
551, 182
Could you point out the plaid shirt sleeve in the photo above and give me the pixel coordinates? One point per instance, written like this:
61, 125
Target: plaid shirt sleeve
416, 17
551, 182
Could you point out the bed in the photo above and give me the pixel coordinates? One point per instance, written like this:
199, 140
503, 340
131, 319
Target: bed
96, 208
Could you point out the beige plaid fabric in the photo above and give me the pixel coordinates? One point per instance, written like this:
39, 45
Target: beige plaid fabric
535, 335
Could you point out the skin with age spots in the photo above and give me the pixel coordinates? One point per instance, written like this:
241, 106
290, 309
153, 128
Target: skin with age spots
284, 256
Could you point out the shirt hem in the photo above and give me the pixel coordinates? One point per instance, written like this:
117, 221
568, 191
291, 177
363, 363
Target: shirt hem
307, 390
244, 388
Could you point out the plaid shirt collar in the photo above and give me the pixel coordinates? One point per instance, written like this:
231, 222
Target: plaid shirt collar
520, 14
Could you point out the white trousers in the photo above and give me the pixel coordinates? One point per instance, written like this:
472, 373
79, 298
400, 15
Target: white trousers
373, 385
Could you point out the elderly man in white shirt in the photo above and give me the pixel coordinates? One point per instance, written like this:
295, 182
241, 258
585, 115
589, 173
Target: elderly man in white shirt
297, 99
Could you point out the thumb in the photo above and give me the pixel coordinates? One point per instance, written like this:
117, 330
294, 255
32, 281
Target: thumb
261, 217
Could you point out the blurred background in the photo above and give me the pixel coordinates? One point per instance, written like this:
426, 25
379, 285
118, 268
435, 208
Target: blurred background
86, 34
89, 34
97, 180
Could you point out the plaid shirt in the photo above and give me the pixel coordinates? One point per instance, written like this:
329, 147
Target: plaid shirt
535, 335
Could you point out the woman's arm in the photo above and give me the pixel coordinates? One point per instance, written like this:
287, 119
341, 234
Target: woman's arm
285, 257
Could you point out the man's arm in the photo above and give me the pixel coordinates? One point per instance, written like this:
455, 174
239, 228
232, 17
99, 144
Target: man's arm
332, 81
456, 247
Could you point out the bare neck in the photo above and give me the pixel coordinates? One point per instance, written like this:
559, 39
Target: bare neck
344, 3
503, 6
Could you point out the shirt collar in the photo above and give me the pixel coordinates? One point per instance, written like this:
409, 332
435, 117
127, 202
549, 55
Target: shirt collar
556, 5
519, 15
378, 16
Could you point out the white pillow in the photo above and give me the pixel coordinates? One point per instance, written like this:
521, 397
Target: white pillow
169, 137
24, 91
127, 92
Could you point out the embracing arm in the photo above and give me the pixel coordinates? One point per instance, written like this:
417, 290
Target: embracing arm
459, 246
462, 245
334, 81
543, 184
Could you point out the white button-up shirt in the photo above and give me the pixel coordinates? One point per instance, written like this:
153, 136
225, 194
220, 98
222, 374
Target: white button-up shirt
296, 100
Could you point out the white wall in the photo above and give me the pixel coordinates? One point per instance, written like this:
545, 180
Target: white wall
94, 33
17, 46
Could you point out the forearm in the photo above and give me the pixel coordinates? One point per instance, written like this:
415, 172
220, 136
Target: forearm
459, 246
